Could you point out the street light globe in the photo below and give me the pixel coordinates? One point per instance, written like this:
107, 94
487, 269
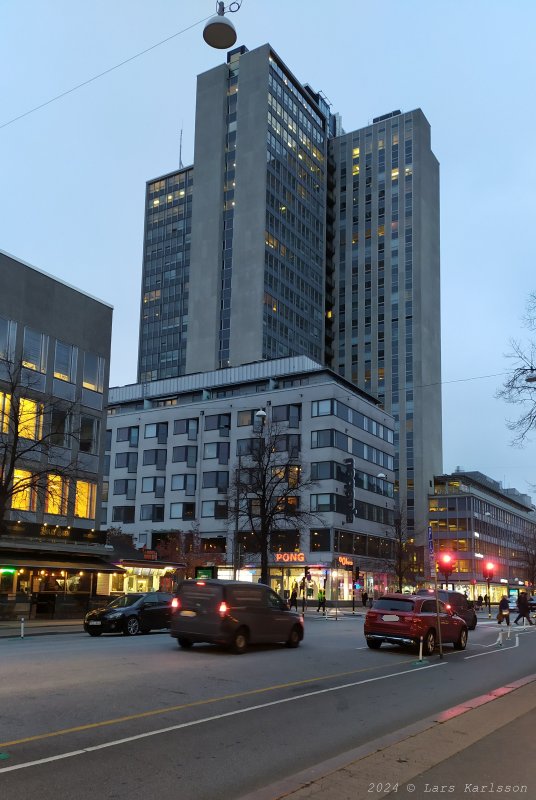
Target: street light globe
219, 32
260, 415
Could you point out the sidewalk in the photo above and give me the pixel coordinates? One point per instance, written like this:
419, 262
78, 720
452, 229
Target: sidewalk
39, 627
470, 748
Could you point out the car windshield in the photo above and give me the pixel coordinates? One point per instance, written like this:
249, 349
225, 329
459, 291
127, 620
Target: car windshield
125, 600
393, 604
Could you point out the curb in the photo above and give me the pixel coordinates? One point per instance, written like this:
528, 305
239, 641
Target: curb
304, 779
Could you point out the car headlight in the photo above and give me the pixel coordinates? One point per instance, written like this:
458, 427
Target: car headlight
114, 615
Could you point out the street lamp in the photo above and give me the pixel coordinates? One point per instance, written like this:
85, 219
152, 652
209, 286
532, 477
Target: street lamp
219, 32
489, 569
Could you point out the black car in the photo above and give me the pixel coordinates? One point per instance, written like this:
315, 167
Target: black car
456, 601
130, 614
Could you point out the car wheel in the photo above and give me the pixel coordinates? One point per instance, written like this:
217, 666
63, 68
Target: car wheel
94, 633
429, 643
461, 641
132, 627
294, 638
240, 641
374, 644
184, 643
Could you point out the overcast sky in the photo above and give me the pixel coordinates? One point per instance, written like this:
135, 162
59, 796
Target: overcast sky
73, 173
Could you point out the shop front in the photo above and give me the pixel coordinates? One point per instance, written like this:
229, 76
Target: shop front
147, 574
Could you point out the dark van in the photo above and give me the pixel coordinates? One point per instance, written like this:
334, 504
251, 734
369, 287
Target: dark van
233, 614
458, 602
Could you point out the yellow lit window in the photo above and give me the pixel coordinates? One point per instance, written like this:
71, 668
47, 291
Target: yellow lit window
23, 495
156, 202
408, 170
84, 504
56, 497
355, 169
5, 407
329, 314
293, 478
381, 230
394, 174
355, 152
30, 419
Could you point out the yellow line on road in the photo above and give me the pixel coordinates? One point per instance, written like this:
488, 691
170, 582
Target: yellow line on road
195, 703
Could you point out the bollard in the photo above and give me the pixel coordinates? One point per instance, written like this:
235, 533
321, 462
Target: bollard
500, 638
420, 649
508, 634
22, 627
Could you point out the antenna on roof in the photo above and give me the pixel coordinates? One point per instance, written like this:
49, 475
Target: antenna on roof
181, 165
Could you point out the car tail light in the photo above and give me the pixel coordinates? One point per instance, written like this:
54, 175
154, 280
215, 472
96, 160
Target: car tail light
448, 606
175, 604
223, 609
201, 583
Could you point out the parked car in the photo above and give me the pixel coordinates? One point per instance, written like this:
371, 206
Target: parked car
404, 618
139, 612
234, 614
463, 607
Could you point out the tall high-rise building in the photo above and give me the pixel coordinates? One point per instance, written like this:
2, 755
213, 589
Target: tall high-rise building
290, 237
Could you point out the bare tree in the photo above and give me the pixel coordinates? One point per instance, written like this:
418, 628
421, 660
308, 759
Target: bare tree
516, 389
37, 433
525, 544
188, 548
402, 560
266, 492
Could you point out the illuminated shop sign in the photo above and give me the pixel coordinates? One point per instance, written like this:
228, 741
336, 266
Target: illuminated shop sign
286, 557
344, 561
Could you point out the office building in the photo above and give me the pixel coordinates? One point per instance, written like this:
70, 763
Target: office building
54, 364
174, 447
292, 238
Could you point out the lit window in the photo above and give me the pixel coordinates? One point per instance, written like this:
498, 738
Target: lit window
355, 169
34, 350
56, 496
355, 152
30, 419
394, 174
84, 504
93, 372
64, 362
22, 494
5, 407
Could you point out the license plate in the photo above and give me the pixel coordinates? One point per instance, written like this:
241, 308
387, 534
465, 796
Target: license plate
188, 613
95, 622
390, 618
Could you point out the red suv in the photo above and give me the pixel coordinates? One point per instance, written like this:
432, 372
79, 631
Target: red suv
404, 618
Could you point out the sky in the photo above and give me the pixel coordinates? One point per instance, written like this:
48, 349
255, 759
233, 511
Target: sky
73, 173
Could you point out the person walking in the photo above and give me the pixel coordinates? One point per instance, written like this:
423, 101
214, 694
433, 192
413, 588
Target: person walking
523, 608
294, 597
364, 598
504, 611
321, 600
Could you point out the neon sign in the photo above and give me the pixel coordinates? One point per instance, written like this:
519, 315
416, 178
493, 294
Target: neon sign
286, 557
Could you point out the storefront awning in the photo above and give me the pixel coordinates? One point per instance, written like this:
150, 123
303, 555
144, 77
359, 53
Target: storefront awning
30, 561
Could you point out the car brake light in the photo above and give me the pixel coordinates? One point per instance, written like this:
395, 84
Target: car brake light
201, 583
448, 606
175, 603
223, 609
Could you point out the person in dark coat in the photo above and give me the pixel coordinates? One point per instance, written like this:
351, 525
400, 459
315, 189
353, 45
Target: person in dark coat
504, 611
523, 608
294, 597
364, 598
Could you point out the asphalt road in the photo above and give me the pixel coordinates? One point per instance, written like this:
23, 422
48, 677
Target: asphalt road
119, 718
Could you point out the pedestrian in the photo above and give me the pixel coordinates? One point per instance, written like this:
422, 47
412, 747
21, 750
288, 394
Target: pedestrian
321, 600
479, 601
523, 608
294, 597
504, 611
364, 598
486, 598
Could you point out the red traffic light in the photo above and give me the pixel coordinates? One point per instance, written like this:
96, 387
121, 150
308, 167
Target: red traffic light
446, 559
489, 569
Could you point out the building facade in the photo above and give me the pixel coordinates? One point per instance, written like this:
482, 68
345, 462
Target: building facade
174, 447
295, 238
54, 365
477, 521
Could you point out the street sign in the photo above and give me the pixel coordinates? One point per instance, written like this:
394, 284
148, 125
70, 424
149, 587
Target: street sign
431, 554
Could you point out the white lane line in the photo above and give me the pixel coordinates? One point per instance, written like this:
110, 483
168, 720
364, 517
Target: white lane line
182, 725
499, 650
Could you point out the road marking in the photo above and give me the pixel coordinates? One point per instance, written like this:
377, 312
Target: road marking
491, 652
168, 709
214, 718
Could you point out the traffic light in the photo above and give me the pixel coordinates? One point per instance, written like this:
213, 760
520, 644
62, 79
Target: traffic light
349, 488
489, 569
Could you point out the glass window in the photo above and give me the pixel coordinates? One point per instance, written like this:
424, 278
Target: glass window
150, 431
5, 407
152, 513
93, 372
130, 435
34, 350
7, 338
320, 539
30, 419
56, 495
124, 514
245, 418
89, 434
182, 510
64, 362
84, 504
22, 493
60, 427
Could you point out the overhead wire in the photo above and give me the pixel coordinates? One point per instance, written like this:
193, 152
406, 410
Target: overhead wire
101, 74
